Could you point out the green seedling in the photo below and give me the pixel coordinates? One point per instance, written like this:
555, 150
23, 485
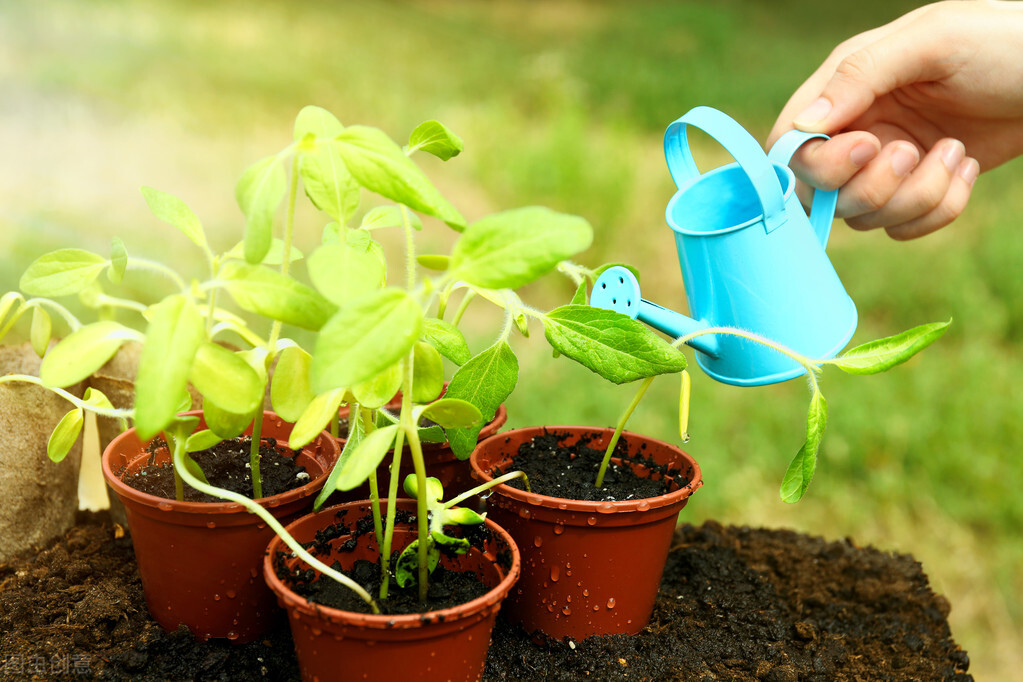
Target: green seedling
868, 358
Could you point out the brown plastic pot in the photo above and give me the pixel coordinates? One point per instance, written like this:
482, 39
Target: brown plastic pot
588, 568
441, 463
200, 561
450, 644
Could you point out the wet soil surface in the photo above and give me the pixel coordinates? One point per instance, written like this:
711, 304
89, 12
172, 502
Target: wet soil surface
226, 465
570, 471
735, 604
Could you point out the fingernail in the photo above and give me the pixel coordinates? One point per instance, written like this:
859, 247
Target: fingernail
969, 169
814, 113
862, 153
953, 154
904, 159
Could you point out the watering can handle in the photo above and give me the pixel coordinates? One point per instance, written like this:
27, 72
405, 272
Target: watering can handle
822, 211
740, 144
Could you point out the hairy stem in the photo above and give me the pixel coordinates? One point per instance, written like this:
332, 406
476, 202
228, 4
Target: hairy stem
487, 486
621, 427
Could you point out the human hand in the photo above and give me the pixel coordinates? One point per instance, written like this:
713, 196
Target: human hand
916, 110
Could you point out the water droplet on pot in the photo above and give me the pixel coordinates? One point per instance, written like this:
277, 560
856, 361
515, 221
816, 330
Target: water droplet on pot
569, 599
524, 513
563, 506
586, 593
643, 506
316, 632
567, 611
596, 608
550, 608
559, 529
216, 597
606, 508
165, 506
555, 574
253, 572
537, 541
611, 603
231, 594
592, 521
211, 524
533, 499
232, 636
260, 526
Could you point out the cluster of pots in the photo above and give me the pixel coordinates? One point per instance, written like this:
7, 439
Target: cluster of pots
561, 567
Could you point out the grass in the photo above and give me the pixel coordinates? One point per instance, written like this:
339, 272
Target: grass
563, 103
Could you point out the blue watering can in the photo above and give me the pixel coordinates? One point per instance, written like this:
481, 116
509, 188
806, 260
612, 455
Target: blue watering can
751, 259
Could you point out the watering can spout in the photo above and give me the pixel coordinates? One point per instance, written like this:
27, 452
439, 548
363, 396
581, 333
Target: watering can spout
618, 289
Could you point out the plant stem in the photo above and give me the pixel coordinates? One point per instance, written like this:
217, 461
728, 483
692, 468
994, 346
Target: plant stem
114, 413
487, 486
621, 427
392, 496
71, 320
257, 430
463, 304
158, 268
178, 450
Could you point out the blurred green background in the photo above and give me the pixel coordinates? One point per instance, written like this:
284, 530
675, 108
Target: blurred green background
564, 103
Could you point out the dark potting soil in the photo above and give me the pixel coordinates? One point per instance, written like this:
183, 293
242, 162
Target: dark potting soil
226, 465
570, 471
735, 604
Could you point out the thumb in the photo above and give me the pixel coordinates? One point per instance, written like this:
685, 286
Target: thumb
860, 78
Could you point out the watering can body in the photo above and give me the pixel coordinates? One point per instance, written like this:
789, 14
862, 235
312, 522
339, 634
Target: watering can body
751, 259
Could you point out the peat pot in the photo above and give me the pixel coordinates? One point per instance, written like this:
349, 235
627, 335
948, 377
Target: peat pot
200, 561
588, 568
448, 644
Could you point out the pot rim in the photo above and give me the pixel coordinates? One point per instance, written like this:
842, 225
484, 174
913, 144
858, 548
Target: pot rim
124, 490
584, 506
494, 596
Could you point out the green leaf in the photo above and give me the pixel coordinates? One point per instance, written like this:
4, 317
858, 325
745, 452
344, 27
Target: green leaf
41, 331
174, 333
366, 458
318, 122
434, 488
202, 440
355, 435
64, 435
343, 272
173, 210
62, 272
882, 354
452, 413
118, 261
613, 345
365, 337
462, 516
290, 390
800, 471
406, 569
275, 256
192, 466
83, 351
434, 262
96, 398
259, 192
331, 234
267, 292
389, 216
513, 248
327, 182
380, 389
315, 418
427, 373
381, 166
224, 423
226, 379
435, 138
579, 297
486, 381
451, 545
447, 339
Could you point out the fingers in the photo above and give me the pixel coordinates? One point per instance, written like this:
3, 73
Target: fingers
832, 163
908, 199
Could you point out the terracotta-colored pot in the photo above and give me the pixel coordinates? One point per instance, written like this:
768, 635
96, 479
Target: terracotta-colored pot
588, 568
441, 463
450, 644
200, 561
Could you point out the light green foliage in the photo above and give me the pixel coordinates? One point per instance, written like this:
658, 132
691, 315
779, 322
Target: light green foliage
42, 329
435, 138
513, 248
118, 261
447, 339
349, 269
174, 211
315, 418
226, 379
62, 272
290, 390
800, 471
263, 291
452, 413
378, 390
365, 337
64, 435
428, 373
84, 351
883, 354
366, 458
259, 192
